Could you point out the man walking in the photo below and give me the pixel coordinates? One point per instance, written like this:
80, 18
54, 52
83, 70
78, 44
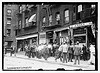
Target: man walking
92, 55
65, 51
58, 53
77, 52
84, 52
70, 53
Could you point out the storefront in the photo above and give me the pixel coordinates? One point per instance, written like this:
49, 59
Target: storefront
58, 35
26, 40
62, 35
82, 32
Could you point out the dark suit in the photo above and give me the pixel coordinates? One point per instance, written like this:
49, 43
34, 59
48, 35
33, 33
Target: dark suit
84, 52
70, 53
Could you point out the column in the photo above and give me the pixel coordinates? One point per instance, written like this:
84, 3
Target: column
38, 21
86, 36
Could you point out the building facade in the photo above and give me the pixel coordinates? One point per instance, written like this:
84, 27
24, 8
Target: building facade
10, 20
27, 28
49, 23
84, 23
55, 20
68, 22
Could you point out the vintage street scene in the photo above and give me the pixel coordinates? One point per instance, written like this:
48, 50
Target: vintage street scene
50, 36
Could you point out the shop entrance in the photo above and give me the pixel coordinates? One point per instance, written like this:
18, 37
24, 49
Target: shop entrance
49, 36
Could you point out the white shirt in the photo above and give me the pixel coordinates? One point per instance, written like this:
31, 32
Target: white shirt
92, 48
50, 46
65, 48
60, 48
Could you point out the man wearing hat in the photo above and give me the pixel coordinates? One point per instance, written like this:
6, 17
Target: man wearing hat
65, 51
77, 52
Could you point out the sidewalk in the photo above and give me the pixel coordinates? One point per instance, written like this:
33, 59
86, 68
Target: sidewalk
83, 64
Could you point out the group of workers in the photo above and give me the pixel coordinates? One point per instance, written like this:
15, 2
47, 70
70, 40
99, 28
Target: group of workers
64, 51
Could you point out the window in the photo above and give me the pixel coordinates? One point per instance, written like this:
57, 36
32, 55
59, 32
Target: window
93, 9
8, 12
8, 20
19, 24
9, 5
79, 8
44, 20
92, 6
8, 32
74, 9
26, 21
20, 9
66, 16
81, 39
50, 19
57, 18
15, 32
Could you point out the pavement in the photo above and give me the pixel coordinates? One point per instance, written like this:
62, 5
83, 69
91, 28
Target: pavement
50, 63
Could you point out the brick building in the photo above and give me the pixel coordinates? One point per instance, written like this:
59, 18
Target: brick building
84, 23
55, 21
9, 23
68, 22
27, 28
50, 22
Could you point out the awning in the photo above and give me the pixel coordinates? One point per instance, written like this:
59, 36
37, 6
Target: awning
81, 24
61, 29
26, 37
32, 18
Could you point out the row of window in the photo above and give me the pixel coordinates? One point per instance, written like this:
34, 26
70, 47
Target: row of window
58, 17
9, 11
66, 17
9, 14
80, 8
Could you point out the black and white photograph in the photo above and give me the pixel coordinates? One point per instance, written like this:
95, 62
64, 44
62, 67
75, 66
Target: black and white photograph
50, 36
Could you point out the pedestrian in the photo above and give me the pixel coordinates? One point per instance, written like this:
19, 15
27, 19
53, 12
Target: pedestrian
11, 52
26, 49
46, 51
84, 52
29, 51
77, 52
65, 51
70, 53
58, 53
33, 47
92, 55
14, 50
55, 48
50, 47
40, 51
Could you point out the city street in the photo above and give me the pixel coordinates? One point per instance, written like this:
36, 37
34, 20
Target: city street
21, 62
35, 34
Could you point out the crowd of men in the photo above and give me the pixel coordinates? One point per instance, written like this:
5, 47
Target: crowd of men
66, 52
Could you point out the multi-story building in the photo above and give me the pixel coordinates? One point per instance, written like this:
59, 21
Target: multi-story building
84, 23
47, 23
10, 20
55, 20
27, 28
68, 22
